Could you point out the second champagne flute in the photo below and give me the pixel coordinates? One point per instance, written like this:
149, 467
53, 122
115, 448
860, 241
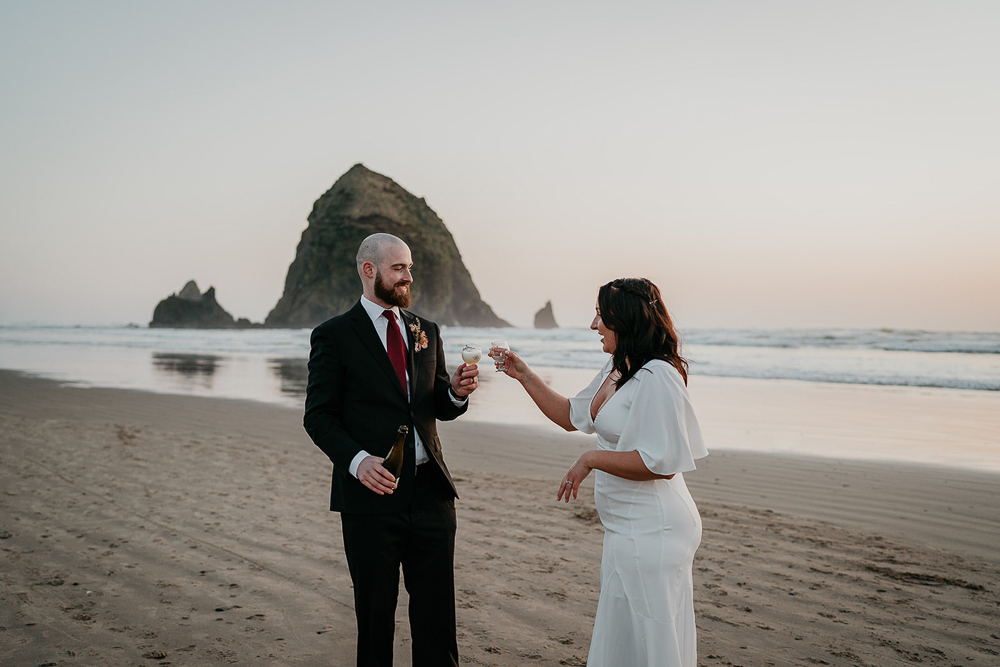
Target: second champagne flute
499, 356
472, 353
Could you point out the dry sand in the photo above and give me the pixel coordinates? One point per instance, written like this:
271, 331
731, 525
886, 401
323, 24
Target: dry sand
145, 529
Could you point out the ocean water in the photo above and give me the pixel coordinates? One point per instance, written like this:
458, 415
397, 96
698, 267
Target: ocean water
270, 364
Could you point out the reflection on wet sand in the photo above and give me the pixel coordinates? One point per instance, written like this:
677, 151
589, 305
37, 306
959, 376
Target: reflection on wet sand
191, 368
293, 373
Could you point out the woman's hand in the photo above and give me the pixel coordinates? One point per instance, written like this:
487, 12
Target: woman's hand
514, 365
576, 474
553, 405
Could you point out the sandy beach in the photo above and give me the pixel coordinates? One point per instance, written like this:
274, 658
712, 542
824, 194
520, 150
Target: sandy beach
151, 529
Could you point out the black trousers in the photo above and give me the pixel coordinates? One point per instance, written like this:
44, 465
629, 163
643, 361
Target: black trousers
422, 541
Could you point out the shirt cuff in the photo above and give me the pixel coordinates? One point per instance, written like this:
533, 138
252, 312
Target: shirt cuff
361, 456
458, 402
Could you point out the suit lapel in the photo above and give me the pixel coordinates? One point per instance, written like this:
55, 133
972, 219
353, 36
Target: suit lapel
408, 320
365, 329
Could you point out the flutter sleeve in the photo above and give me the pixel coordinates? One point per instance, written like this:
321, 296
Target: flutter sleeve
661, 424
579, 405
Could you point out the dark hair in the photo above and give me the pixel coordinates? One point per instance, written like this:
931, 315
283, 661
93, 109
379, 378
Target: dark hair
633, 309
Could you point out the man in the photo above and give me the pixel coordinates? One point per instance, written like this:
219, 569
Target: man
371, 370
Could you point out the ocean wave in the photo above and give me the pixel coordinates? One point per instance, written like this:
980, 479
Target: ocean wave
898, 340
959, 360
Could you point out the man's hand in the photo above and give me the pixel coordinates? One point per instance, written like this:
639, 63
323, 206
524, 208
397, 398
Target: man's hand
465, 380
374, 476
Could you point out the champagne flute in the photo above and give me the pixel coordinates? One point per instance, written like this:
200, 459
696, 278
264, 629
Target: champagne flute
499, 357
472, 353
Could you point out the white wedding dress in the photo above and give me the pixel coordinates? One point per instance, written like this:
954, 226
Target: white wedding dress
645, 616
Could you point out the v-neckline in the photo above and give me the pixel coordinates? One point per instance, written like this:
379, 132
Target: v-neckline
593, 415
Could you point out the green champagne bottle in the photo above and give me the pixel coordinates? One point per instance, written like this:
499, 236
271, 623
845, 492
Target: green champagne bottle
394, 461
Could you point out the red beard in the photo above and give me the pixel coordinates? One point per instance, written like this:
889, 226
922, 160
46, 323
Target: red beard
391, 295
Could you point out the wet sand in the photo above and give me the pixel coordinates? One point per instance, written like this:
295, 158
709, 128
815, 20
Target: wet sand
139, 528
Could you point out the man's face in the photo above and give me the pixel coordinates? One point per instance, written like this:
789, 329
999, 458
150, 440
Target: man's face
392, 278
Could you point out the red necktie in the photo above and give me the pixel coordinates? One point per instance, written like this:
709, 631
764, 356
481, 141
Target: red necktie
395, 347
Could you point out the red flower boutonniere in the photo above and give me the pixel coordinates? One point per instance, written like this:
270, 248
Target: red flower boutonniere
419, 337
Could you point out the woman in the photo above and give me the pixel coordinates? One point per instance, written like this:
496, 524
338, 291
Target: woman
647, 437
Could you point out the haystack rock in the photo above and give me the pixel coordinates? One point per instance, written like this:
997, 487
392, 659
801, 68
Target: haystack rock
545, 319
323, 279
190, 309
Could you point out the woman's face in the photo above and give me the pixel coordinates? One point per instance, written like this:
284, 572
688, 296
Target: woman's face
608, 338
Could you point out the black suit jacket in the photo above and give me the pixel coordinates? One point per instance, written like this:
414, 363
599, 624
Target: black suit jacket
354, 402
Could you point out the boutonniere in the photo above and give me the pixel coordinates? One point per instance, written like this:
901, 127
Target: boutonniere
419, 336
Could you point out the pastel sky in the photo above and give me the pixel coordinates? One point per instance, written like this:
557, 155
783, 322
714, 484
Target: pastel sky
767, 163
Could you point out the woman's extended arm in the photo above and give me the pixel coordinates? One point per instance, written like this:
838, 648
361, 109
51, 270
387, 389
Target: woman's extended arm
553, 405
620, 464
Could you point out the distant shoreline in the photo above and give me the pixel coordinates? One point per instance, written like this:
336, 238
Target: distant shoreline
208, 361
950, 428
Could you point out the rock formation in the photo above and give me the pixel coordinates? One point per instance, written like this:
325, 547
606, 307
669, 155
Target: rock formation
191, 292
544, 319
323, 279
190, 309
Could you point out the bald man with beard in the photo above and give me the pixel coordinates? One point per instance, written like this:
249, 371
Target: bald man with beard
371, 370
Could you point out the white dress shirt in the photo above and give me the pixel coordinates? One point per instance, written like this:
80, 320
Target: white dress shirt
381, 328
